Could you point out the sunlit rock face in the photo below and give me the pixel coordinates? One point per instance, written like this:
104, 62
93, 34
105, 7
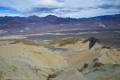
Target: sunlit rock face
29, 62
66, 59
100, 60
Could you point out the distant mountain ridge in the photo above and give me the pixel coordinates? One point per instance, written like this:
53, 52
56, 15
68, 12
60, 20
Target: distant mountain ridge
51, 19
51, 22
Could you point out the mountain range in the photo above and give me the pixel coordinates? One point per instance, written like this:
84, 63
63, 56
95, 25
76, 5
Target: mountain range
50, 23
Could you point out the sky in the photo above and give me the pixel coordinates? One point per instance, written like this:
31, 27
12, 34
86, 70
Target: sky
61, 8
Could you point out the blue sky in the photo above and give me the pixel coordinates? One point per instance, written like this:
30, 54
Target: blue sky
62, 8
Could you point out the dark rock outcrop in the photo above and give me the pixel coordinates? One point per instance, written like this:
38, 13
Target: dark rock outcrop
92, 41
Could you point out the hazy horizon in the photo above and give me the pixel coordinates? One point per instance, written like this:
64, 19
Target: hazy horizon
60, 8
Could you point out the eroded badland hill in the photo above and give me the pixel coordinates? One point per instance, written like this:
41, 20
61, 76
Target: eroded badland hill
62, 59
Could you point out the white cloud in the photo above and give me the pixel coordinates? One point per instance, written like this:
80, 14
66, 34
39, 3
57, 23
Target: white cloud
73, 8
49, 2
87, 13
89, 3
9, 14
26, 5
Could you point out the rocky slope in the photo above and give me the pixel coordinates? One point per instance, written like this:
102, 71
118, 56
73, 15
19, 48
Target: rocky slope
20, 61
101, 60
63, 59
